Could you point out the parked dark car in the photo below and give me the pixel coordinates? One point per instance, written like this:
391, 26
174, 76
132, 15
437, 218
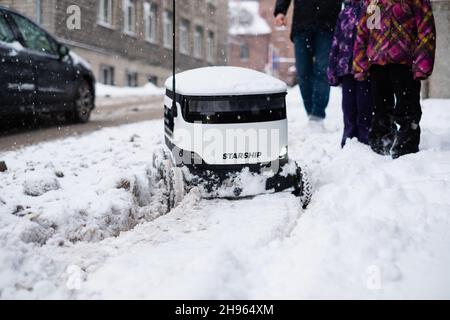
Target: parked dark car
38, 74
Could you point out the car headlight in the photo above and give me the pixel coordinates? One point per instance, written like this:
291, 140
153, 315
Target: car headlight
284, 152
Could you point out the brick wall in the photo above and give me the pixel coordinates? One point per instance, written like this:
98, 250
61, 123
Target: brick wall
27, 7
258, 51
31, 8
280, 40
263, 47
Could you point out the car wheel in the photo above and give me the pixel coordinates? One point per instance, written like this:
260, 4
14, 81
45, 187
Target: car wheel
84, 104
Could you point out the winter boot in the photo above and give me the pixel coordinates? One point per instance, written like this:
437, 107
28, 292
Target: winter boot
381, 138
407, 140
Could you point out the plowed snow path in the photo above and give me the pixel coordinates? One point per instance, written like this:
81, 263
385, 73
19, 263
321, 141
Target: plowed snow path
206, 249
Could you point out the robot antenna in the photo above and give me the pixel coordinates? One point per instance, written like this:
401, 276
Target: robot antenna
174, 103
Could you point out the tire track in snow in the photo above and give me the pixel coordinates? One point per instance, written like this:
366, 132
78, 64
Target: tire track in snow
210, 249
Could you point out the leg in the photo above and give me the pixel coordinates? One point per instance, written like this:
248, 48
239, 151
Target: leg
321, 91
304, 63
382, 134
349, 108
408, 112
364, 103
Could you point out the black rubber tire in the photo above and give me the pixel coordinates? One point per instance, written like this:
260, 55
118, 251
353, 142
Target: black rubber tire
83, 105
305, 189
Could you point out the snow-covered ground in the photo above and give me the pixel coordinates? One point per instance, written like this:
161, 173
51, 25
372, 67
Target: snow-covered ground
76, 222
105, 91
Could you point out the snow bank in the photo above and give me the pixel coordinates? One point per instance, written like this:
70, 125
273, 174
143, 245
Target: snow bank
117, 92
78, 190
38, 185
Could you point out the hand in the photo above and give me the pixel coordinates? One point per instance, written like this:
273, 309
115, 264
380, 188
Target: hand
420, 76
280, 20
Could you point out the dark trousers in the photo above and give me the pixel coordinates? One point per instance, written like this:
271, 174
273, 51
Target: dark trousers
397, 111
357, 107
312, 49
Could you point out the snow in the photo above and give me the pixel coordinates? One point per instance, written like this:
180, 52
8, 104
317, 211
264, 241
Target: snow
79, 60
107, 91
246, 19
15, 47
377, 228
222, 81
39, 185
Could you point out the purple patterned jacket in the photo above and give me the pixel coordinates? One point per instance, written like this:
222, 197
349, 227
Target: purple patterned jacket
341, 55
406, 34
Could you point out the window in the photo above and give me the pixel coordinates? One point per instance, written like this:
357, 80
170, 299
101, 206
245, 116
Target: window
150, 16
239, 109
210, 47
153, 79
198, 42
129, 16
132, 79
184, 36
35, 38
211, 7
168, 29
105, 9
107, 75
5, 32
245, 52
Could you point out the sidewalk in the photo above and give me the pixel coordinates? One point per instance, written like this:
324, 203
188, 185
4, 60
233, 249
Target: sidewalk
109, 112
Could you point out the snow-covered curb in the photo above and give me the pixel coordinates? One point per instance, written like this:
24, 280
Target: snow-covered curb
105, 91
73, 190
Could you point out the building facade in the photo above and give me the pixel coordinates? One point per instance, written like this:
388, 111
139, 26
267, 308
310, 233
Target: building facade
256, 43
438, 86
249, 36
129, 42
282, 60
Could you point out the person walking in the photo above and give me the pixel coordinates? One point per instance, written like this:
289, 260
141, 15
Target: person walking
312, 33
395, 54
357, 101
